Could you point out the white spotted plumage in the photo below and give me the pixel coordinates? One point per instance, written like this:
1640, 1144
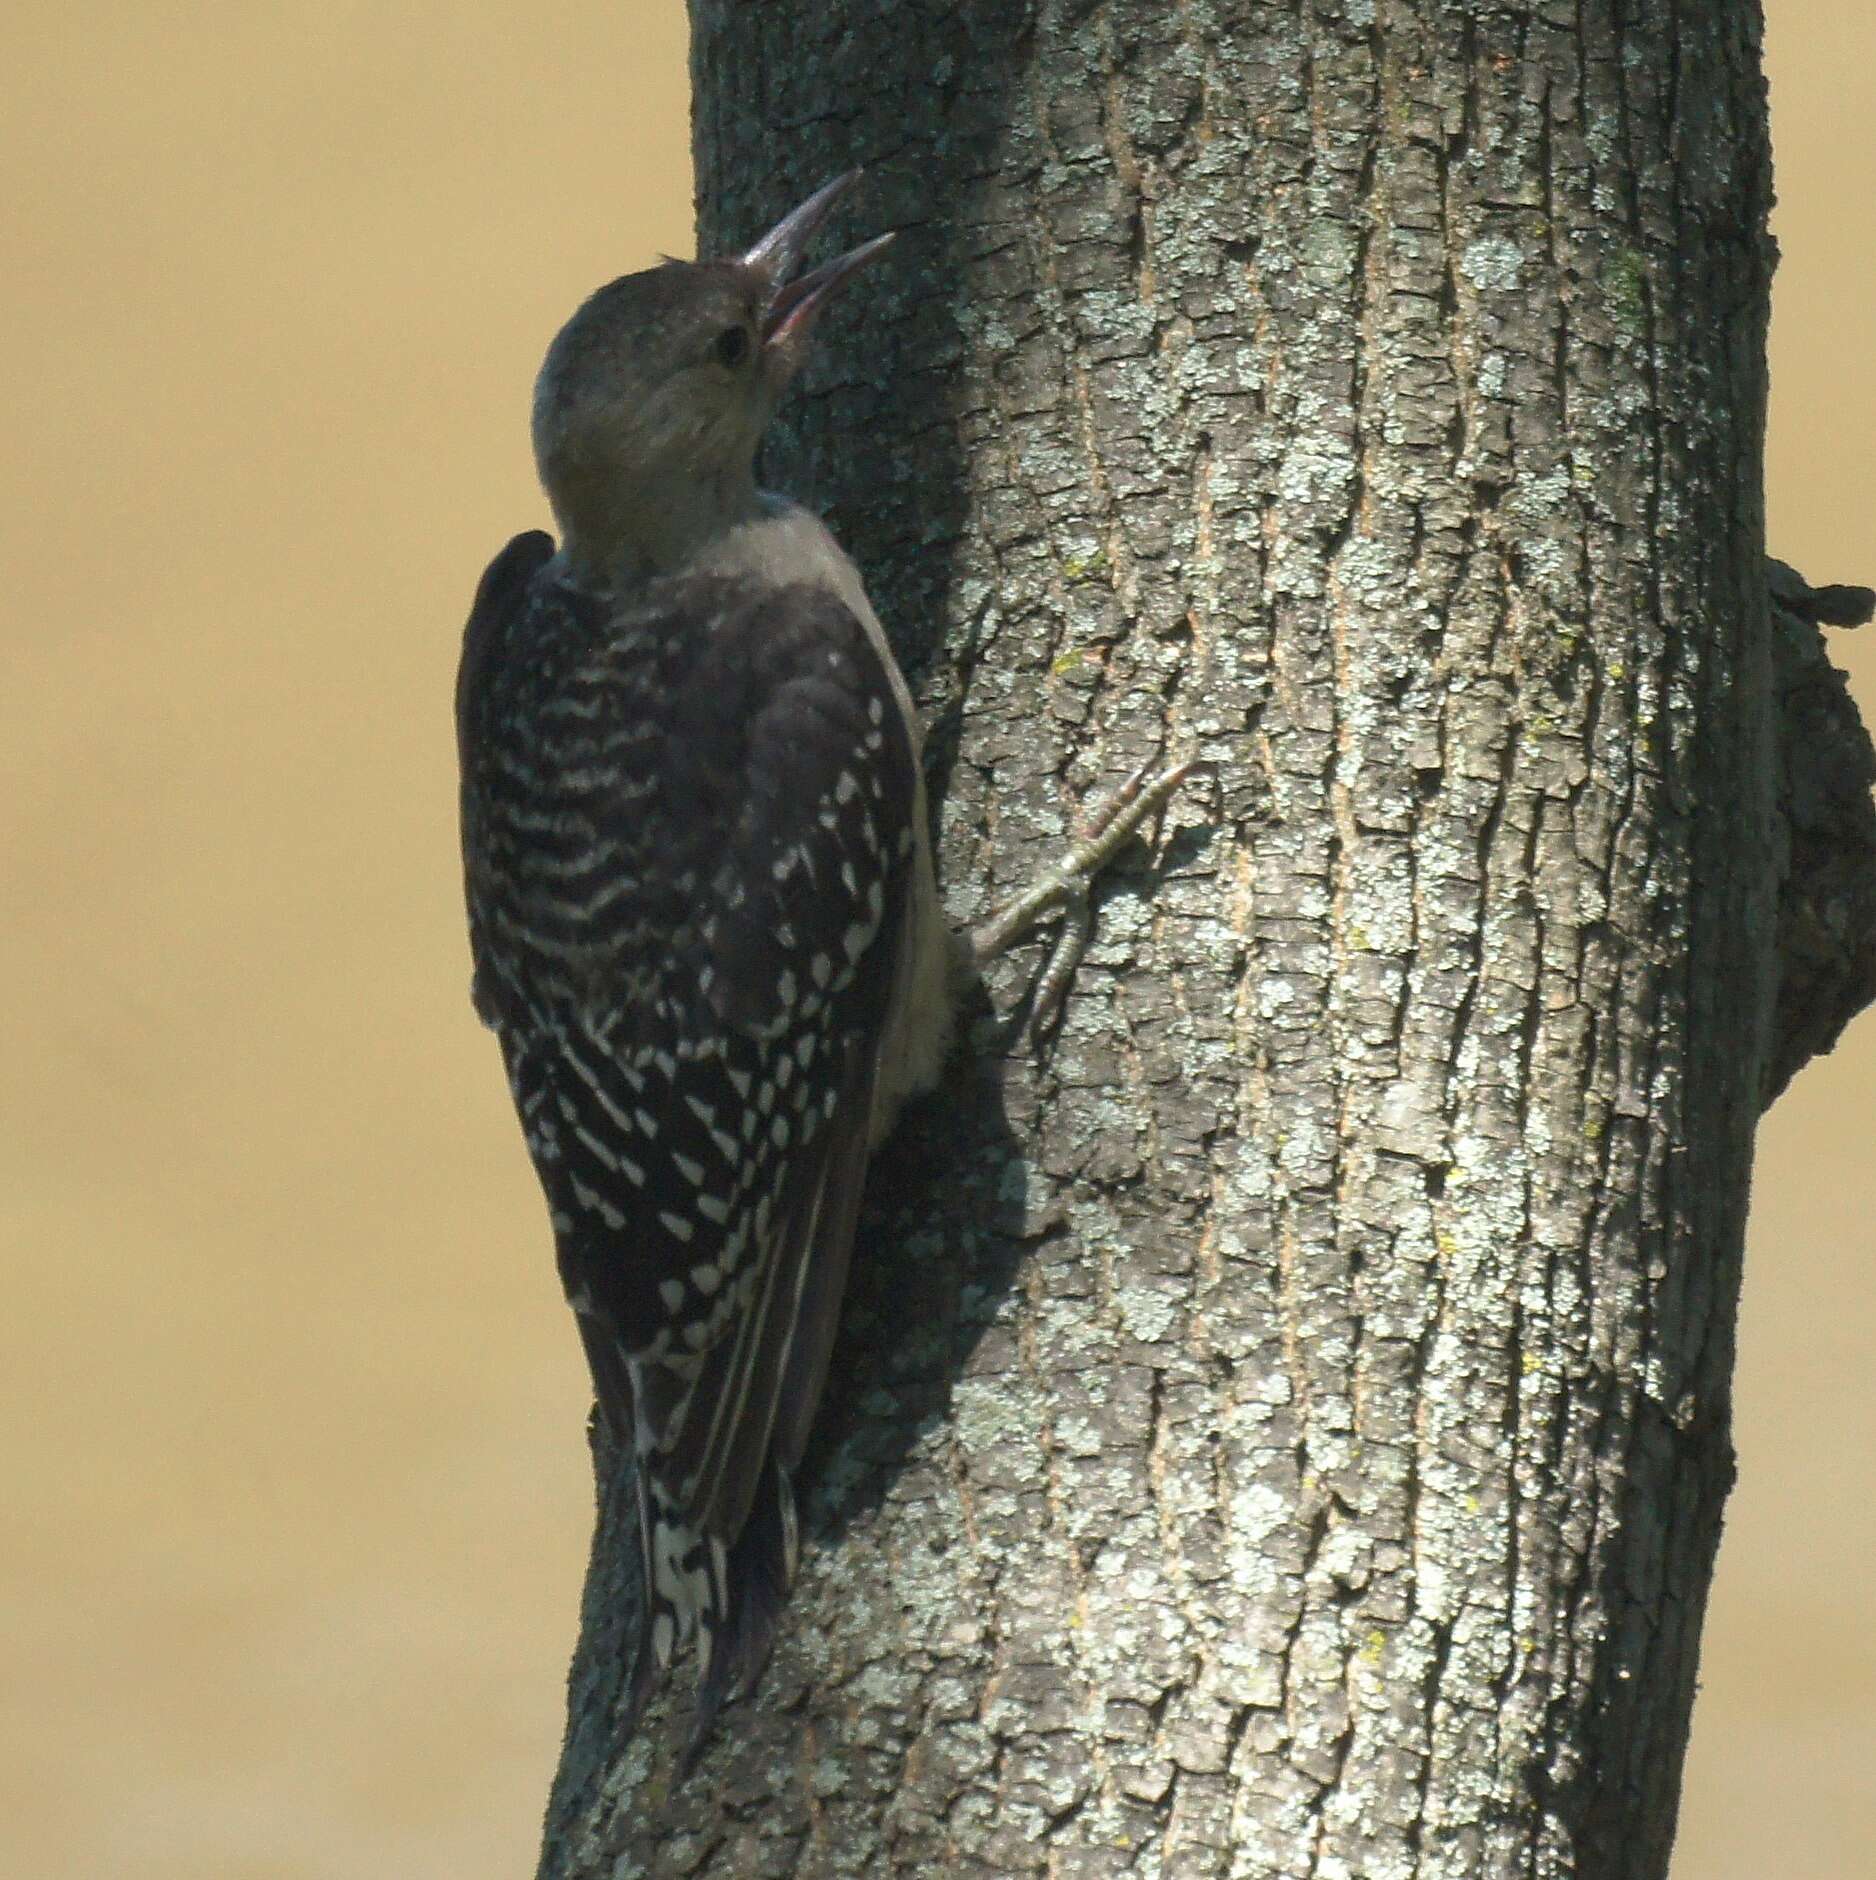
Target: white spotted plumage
696, 1034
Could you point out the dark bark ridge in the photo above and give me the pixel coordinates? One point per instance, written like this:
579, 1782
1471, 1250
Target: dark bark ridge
1281, 1428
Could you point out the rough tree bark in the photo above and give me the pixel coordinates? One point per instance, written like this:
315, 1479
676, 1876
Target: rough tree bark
1281, 1426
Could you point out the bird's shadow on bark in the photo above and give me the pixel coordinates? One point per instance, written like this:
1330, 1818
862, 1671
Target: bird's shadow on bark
938, 1250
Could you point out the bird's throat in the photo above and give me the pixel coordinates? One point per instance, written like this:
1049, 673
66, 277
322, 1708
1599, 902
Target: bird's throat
617, 534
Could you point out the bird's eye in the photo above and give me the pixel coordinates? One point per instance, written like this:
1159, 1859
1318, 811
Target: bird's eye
732, 345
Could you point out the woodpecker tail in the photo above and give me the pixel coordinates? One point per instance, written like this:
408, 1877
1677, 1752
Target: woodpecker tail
725, 1599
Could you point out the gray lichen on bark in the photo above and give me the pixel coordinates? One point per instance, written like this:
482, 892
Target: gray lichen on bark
1281, 1428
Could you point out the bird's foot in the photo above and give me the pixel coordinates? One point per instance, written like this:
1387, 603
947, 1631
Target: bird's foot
1064, 889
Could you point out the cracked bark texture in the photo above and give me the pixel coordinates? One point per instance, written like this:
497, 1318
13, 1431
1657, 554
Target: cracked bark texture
1280, 1427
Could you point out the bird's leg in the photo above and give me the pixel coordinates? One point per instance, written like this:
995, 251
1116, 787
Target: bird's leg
1064, 889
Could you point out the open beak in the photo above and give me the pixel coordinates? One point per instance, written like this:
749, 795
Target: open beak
791, 307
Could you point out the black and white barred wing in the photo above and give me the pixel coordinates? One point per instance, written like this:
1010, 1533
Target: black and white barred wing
691, 939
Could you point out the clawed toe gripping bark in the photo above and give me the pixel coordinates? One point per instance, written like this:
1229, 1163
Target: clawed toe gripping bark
1064, 890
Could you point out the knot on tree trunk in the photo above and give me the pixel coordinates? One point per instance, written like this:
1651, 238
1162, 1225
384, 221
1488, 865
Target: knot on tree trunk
1825, 834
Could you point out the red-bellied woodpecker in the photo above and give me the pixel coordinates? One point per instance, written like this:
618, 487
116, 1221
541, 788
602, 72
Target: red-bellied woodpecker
702, 910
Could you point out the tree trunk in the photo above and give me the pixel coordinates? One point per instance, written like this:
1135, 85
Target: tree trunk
1281, 1425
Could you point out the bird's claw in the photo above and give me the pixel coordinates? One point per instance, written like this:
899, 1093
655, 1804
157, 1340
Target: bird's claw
1065, 889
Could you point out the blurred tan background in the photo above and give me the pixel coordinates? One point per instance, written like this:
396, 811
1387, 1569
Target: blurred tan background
295, 1497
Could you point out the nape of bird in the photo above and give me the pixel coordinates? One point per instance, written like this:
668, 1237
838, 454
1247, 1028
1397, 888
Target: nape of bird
702, 910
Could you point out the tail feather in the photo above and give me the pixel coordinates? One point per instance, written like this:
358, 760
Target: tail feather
725, 1600
761, 1570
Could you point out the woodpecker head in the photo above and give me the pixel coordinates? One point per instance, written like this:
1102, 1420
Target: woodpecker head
654, 395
